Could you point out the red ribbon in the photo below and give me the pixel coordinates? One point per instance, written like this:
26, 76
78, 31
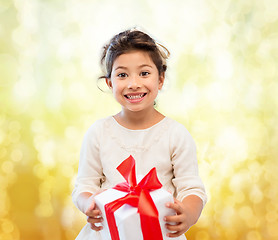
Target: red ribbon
138, 195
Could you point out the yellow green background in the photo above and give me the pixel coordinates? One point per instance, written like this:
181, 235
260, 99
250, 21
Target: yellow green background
221, 84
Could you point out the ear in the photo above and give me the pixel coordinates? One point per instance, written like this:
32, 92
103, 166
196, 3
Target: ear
108, 82
161, 80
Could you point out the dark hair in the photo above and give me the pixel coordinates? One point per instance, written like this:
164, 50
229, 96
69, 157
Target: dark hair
130, 40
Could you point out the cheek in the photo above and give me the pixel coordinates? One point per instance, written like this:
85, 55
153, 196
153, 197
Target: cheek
158, 86
117, 89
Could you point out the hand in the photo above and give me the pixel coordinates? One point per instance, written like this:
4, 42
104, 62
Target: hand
188, 211
177, 224
93, 213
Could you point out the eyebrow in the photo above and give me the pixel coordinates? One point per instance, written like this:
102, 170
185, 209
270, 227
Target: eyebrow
143, 65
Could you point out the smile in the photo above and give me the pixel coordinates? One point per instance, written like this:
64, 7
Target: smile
135, 96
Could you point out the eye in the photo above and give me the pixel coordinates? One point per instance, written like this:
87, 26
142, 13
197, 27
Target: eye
122, 75
144, 74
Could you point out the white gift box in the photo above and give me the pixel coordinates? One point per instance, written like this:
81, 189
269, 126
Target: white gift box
126, 217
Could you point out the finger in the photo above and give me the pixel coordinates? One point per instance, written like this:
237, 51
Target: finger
90, 205
175, 227
96, 228
93, 213
175, 218
175, 234
176, 206
94, 220
95, 223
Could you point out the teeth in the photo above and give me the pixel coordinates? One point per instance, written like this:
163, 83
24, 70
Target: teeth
135, 96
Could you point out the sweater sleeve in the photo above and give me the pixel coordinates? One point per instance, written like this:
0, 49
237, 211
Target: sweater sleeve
185, 166
90, 174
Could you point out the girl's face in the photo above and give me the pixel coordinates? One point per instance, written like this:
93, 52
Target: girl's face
135, 81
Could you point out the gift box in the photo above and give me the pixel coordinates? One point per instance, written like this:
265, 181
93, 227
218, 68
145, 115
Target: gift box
134, 211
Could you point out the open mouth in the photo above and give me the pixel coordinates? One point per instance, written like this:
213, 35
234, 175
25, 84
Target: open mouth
135, 96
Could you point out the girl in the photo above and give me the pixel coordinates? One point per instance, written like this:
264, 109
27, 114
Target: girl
134, 66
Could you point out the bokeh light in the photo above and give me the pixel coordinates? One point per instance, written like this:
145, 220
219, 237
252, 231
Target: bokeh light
222, 84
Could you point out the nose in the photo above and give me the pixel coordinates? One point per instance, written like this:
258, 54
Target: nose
134, 82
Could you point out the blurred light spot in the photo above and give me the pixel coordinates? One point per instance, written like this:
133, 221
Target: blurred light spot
24, 90
16, 155
200, 48
224, 65
37, 126
88, 68
3, 152
190, 95
71, 132
202, 235
227, 214
2, 130
40, 171
252, 35
54, 96
239, 196
45, 196
66, 49
6, 236
220, 95
254, 235
14, 136
38, 141
77, 90
46, 153
44, 210
47, 184
256, 195
246, 213
252, 96
67, 217
256, 170
272, 216
5, 204
272, 229
236, 182
5, 5
8, 70
19, 36
233, 144
14, 125
7, 167
67, 171
7, 226
70, 71
4, 183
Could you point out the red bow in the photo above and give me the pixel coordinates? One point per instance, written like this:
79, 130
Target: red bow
138, 196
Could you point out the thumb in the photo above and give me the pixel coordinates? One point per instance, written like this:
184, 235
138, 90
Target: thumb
90, 204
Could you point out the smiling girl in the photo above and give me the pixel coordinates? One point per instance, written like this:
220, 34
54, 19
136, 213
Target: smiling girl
134, 66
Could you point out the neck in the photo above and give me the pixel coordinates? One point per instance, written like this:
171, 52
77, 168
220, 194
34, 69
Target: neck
140, 119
